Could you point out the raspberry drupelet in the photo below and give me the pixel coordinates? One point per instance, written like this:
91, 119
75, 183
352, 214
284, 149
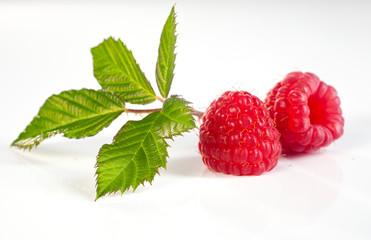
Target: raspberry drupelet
306, 111
237, 135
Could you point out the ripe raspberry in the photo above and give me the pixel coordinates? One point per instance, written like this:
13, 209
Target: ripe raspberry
238, 136
306, 111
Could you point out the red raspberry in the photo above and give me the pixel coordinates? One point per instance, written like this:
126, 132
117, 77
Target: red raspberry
306, 111
238, 136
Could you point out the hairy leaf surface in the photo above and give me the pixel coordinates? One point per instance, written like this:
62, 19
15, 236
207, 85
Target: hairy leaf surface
117, 71
166, 56
139, 148
74, 113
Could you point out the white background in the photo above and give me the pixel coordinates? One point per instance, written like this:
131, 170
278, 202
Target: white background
49, 193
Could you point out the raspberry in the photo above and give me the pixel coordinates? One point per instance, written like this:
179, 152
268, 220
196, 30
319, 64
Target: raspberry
238, 136
306, 111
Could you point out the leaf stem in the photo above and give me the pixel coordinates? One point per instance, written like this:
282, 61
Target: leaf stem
160, 99
141, 111
194, 112
197, 113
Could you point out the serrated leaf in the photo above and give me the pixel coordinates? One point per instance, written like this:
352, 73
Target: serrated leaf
139, 148
74, 113
117, 71
166, 56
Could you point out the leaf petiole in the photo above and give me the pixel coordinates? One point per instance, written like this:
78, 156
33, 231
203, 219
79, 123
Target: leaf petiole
197, 113
141, 111
194, 112
160, 99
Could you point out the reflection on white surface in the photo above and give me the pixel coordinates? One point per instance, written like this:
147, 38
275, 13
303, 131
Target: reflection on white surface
303, 193
49, 193
50, 170
297, 195
291, 193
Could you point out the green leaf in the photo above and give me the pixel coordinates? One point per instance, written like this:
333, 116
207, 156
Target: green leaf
166, 56
117, 71
75, 113
139, 148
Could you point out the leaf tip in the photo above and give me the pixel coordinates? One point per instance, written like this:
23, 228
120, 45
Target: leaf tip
97, 197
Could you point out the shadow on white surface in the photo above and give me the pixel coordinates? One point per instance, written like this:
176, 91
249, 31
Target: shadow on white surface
297, 192
186, 166
62, 167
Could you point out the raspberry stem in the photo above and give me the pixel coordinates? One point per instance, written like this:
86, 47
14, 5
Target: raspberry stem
197, 113
194, 112
141, 111
160, 99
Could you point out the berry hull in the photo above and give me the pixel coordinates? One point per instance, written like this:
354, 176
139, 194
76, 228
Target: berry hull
306, 112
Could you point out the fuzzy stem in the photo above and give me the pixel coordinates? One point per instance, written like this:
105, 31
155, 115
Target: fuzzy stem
197, 113
194, 112
160, 99
141, 111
